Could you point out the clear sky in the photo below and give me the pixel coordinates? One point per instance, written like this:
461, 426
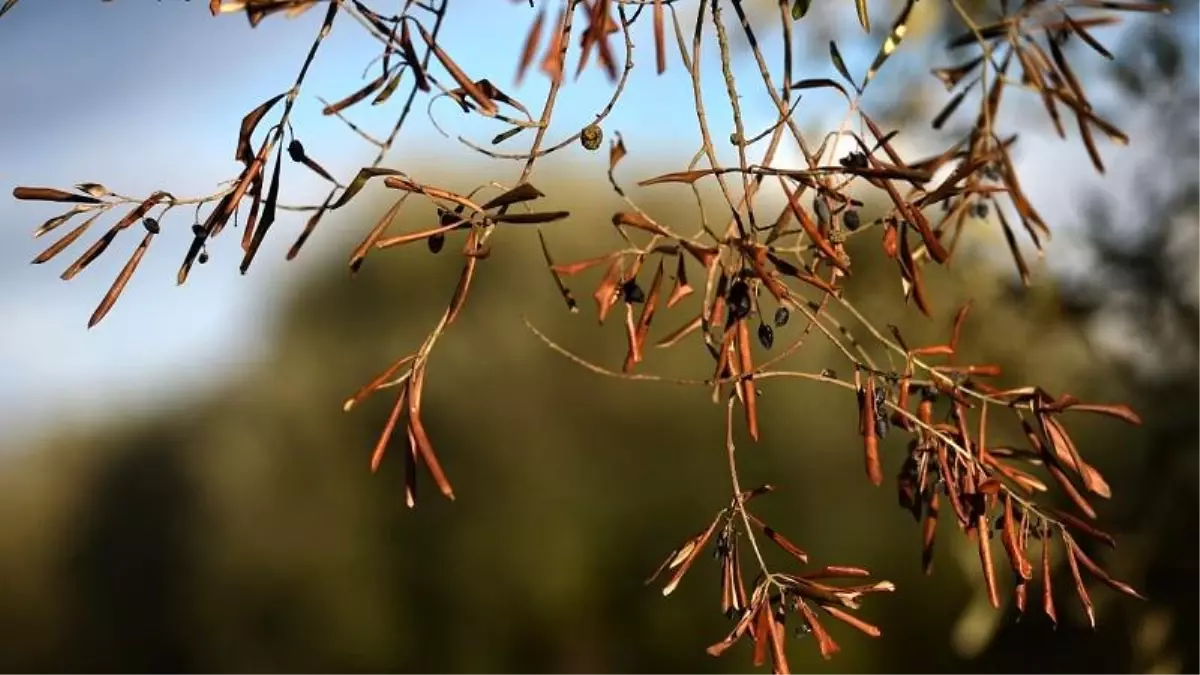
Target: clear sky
146, 95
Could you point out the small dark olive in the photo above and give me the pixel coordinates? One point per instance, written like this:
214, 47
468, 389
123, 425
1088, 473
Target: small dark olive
981, 209
446, 218
295, 150
821, 209
781, 316
854, 160
766, 336
203, 258
851, 220
197, 229
632, 293
151, 225
436, 242
739, 300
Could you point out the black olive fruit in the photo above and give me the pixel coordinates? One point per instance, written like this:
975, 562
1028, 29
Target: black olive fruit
821, 209
739, 300
436, 242
295, 151
781, 316
632, 293
766, 336
151, 225
854, 160
851, 220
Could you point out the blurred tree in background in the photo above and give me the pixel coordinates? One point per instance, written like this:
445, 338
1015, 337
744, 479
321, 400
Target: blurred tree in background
242, 532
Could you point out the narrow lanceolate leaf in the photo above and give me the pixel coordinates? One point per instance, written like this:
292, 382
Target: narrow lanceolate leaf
1103, 576
557, 273
825, 643
1047, 587
951, 76
530, 218
682, 288
682, 560
359, 182
1087, 37
616, 152
746, 366
985, 561
486, 105
8, 4
357, 96
268, 216
1064, 68
114, 292
660, 40
53, 223
245, 152
389, 89
780, 540
99, 248
93, 189
1080, 588
1011, 239
1120, 411
847, 617
388, 429
44, 194
420, 438
951, 106
90, 255
1155, 7
67, 239
899, 30
642, 329
682, 332
863, 18
840, 65
360, 252
867, 418
410, 57
552, 60
521, 193
606, 292
490, 91
309, 226
531, 43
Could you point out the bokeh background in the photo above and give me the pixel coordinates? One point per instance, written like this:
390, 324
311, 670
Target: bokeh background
180, 490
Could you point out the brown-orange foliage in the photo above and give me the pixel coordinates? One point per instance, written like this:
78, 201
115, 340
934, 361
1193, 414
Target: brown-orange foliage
747, 266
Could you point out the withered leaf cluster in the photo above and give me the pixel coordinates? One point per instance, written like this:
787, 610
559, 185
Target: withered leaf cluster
740, 265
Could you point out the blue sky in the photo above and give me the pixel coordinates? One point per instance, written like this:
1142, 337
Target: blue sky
142, 96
